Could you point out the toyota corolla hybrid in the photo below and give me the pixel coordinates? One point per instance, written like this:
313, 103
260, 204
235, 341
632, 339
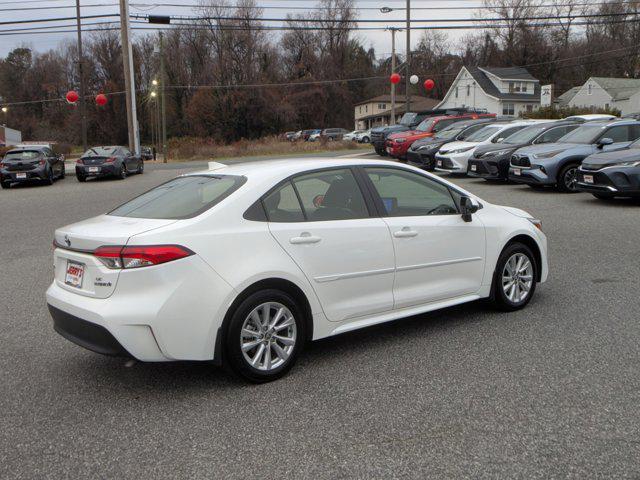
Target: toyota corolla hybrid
241, 265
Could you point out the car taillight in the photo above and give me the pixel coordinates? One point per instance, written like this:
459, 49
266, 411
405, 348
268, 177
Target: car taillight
42, 163
79, 161
117, 256
110, 159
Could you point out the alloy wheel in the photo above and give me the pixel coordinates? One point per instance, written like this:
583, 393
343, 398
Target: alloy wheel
268, 336
517, 277
570, 178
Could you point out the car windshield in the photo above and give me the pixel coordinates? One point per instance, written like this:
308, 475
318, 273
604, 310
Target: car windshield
583, 134
448, 133
182, 197
408, 119
484, 133
525, 135
22, 155
100, 152
426, 125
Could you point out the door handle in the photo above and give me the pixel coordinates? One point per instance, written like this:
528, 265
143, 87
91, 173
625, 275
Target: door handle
406, 232
304, 238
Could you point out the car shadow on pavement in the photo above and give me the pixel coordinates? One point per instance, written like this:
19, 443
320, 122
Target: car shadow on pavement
124, 376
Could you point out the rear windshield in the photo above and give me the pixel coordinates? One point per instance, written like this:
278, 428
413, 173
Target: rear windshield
100, 151
182, 197
22, 155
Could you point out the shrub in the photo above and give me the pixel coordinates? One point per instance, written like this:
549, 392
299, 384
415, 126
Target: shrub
563, 112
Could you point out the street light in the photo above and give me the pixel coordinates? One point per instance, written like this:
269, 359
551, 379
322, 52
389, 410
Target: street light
153, 94
154, 82
5, 109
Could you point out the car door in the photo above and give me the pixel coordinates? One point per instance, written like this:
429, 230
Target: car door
322, 221
438, 254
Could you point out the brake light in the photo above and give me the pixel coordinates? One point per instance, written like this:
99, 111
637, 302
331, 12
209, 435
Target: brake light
110, 160
79, 161
117, 256
42, 162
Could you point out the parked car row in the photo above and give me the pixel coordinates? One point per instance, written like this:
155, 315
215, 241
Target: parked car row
328, 134
585, 153
40, 163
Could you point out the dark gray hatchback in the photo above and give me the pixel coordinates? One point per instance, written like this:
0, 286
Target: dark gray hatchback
28, 164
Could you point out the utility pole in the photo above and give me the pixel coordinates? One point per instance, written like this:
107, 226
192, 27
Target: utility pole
129, 79
408, 59
393, 70
83, 100
163, 100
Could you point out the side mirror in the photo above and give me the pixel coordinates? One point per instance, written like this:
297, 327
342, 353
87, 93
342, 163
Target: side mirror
468, 207
604, 141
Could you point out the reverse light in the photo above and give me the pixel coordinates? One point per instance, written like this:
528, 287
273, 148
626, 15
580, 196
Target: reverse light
117, 256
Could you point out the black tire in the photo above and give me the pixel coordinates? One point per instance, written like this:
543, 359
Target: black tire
567, 178
141, 167
50, 178
602, 196
365, 140
233, 355
123, 172
381, 151
81, 178
499, 298
63, 173
5, 185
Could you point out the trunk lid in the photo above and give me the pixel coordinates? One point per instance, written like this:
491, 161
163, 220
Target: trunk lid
93, 160
77, 269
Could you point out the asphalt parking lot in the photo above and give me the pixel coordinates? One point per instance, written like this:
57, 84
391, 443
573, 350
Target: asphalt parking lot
548, 392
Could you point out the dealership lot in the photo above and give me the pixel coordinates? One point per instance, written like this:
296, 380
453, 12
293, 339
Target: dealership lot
467, 392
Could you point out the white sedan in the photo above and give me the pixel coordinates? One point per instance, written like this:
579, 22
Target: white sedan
453, 157
243, 264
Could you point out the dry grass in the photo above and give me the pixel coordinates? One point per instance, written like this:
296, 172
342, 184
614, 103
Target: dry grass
192, 148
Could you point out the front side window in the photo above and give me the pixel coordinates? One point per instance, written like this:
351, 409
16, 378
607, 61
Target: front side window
621, 133
507, 132
554, 134
330, 195
407, 194
182, 197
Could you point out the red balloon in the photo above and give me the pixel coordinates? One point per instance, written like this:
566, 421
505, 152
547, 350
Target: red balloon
101, 99
72, 96
429, 84
395, 78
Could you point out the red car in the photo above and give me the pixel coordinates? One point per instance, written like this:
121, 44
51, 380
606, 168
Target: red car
399, 143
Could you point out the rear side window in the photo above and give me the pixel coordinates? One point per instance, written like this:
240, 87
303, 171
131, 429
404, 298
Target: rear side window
282, 205
182, 197
331, 195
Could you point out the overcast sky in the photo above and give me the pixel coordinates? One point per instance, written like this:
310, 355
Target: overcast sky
380, 40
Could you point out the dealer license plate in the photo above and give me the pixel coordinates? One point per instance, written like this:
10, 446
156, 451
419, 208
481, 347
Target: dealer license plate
439, 163
517, 171
74, 275
94, 169
588, 179
21, 176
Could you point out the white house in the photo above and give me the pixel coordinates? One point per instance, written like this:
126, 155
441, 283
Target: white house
605, 92
505, 91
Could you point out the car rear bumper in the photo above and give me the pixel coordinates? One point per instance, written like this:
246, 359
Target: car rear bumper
13, 176
104, 170
161, 313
